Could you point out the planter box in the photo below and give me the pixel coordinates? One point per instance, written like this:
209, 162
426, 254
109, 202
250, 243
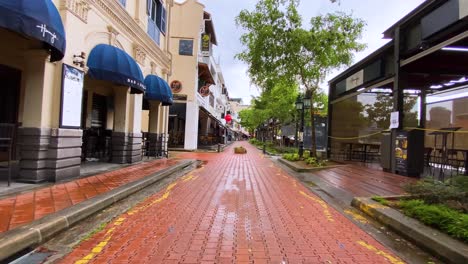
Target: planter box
298, 168
434, 241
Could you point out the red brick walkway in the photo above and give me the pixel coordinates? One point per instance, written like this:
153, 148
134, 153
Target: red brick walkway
27, 207
235, 209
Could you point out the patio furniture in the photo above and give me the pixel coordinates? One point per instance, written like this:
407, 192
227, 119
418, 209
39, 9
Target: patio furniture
7, 133
442, 159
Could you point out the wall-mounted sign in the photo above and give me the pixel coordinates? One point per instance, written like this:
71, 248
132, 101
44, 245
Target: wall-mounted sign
179, 97
394, 120
71, 98
176, 86
186, 47
205, 44
204, 90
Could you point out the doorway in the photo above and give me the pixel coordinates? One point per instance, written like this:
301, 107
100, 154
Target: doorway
9, 106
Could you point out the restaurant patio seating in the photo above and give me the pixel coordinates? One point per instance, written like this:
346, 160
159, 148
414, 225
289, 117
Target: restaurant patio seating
7, 133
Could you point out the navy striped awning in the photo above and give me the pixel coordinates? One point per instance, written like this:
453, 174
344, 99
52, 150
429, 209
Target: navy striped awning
158, 89
38, 19
112, 64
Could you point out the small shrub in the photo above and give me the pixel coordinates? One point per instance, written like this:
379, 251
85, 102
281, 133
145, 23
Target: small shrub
435, 192
380, 200
315, 162
291, 156
450, 221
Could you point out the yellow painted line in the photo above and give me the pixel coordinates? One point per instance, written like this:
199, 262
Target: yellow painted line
356, 216
100, 246
392, 259
324, 205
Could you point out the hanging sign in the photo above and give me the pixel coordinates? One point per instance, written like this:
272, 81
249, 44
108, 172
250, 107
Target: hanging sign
204, 91
176, 86
205, 44
71, 98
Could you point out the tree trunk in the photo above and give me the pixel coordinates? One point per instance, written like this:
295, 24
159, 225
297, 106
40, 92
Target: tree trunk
313, 150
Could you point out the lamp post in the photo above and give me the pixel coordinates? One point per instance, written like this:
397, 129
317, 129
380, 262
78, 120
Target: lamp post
302, 103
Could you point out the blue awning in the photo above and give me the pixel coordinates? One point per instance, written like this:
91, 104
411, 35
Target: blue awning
38, 19
112, 64
158, 89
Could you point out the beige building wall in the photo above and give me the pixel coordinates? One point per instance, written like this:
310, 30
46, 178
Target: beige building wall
87, 23
187, 18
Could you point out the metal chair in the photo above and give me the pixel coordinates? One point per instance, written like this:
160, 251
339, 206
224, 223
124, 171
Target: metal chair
7, 133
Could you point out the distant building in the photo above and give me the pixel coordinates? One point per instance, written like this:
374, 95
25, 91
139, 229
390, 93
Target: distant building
200, 94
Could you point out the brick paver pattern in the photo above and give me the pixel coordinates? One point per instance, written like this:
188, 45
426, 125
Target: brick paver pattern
24, 208
237, 208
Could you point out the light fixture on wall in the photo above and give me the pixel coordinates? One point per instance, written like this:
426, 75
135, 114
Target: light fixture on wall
79, 59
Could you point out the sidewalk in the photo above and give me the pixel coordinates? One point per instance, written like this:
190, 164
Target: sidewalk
21, 209
236, 208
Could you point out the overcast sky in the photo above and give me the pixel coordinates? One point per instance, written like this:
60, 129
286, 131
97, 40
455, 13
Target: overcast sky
378, 14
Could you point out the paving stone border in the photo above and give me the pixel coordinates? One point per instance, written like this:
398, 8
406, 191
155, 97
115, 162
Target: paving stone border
39, 231
434, 241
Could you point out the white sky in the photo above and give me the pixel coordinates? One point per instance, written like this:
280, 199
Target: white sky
378, 14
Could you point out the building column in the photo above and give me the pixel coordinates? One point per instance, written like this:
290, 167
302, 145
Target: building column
191, 126
125, 141
46, 153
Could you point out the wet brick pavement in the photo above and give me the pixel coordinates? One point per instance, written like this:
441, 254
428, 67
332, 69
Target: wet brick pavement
32, 205
235, 209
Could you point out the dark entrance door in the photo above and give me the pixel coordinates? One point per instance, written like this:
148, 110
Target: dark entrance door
97, 139
10, 80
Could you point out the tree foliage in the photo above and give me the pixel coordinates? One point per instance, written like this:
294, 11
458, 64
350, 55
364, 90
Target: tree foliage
276, 103
278, 47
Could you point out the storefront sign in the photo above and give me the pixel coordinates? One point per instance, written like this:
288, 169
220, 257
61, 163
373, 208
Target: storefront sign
179, 97
204, 91
355, 80
394, 120
176, 86
205, 44
72, 95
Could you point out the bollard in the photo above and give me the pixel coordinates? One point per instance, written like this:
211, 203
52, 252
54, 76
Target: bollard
219, 147
264, 148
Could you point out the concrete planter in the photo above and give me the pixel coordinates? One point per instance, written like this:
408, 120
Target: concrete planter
297, 168
436, 242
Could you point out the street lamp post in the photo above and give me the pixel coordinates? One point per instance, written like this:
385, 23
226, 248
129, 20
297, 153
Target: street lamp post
302, 103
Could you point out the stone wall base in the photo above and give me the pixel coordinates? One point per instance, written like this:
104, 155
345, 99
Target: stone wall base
49, 154
126, 147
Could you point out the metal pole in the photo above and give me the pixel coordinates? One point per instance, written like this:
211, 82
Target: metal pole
301, 144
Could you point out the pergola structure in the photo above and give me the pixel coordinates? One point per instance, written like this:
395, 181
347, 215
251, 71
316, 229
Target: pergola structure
427, 54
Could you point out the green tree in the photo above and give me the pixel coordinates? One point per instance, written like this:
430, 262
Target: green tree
277, 47
276, 103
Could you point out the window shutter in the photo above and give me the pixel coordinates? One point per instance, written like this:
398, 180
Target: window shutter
148, 7
151, 27
163, 20
158, 13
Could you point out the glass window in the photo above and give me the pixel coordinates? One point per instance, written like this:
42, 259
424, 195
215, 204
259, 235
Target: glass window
123, 2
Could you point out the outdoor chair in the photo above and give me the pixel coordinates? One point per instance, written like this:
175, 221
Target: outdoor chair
373, 153
455, 161
7, 132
